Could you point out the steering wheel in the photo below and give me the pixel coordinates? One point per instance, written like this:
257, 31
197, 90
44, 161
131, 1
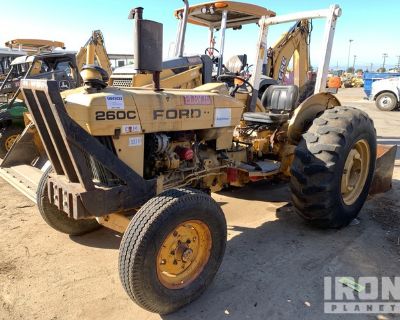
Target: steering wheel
244, 81
207, 51
213, 58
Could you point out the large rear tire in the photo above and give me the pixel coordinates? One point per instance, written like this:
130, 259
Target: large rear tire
8, 135
57, 219
172, 250
333, 167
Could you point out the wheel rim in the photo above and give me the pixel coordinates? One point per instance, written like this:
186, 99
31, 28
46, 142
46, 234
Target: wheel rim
10, 141
355, 172
386, 101
183, 254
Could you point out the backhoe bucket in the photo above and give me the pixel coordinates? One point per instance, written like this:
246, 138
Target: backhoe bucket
23, 165
385, 159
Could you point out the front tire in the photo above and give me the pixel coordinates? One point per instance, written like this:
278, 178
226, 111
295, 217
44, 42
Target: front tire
386, 101
333, 167
57, 219
172, 250
8, 135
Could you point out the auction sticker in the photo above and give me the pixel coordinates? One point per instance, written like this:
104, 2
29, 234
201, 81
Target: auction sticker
135, 141
131, 128
115, 102
197, 100
223, 117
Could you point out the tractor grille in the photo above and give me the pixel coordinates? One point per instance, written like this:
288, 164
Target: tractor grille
100, 175
124, 83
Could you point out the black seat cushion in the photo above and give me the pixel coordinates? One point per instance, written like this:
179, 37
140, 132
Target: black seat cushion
265, 118
280, 99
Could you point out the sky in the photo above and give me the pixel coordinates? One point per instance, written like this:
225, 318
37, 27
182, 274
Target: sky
373, 25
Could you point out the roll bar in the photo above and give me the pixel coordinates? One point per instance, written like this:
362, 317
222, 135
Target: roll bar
180, 40
331, 14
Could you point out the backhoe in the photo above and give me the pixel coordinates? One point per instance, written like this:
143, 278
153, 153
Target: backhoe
42, 62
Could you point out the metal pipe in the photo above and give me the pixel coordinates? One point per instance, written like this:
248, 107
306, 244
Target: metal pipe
178, 37
348, 57
315, 14
222, 41
261, 58
182, 32
330, 26
211, 43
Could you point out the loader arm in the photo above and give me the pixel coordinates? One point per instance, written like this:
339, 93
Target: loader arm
94, 51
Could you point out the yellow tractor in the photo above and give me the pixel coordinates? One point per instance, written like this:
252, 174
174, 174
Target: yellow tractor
143, 161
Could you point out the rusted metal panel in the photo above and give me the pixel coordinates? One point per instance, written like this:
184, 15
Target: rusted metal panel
385, 159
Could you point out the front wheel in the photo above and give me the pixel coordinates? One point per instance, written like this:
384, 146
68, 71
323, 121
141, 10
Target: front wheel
57, 219
8, 135
386, 101
333, 167
172, 249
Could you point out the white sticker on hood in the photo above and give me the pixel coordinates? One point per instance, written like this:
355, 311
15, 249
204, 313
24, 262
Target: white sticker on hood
223, 117
135, 141
131, 128
115, 102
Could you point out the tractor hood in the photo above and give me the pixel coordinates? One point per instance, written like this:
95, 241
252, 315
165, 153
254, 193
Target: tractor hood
135, 111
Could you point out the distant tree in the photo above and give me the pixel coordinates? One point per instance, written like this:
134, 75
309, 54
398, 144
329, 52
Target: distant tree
381, 70
350, 70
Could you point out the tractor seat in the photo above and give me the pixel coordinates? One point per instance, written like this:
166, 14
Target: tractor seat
236, 64
279, 101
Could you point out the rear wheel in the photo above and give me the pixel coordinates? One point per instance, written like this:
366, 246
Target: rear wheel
57, 219
8, 135
172, 249
333, 167
386, 101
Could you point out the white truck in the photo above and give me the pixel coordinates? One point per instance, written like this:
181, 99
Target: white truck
386, 93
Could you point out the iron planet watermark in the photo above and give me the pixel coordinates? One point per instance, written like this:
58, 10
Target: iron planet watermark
360, 295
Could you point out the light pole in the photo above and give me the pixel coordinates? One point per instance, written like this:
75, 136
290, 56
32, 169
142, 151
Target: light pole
398, 63
348, 57
354, 63
385, 55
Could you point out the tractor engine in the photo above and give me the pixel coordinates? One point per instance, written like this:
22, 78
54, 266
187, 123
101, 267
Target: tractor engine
165, 152
180, 157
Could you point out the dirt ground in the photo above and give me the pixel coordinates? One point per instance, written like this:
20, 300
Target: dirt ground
273, 267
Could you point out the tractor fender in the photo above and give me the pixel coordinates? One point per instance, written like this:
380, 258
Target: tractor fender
13, 115
307, 111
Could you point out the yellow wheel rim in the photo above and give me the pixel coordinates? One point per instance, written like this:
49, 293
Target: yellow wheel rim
355, 172
183, 254
10, 141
